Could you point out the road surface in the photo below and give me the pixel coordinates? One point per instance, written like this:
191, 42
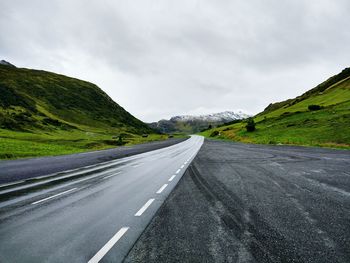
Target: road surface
89, 214
254, 203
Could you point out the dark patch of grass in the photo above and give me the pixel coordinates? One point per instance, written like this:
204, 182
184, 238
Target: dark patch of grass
214, 133
313, 107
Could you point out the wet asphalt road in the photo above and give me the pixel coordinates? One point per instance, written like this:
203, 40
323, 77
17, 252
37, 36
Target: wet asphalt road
93, 213
28, 168
254, 203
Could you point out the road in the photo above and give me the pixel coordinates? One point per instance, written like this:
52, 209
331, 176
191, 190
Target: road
33, 167
254, 203
88, 214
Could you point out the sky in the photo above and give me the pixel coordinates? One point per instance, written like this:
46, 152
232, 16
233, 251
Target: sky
163, 58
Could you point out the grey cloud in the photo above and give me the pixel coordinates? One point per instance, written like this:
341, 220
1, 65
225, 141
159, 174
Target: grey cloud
163, 58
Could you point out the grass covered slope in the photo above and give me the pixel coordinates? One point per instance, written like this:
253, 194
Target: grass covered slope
43, 98
43, 113
292, 122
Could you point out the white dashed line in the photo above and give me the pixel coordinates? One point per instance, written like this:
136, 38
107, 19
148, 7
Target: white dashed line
143, 209
182, 166
186, 162
53, 196
172, 178
108, 176
103, 251
178, 171
162, 189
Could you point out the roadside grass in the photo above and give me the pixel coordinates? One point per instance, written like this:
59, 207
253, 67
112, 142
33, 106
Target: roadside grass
15, 144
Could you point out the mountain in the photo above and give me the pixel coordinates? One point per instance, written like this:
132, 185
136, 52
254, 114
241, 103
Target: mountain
329, 86
45, 107
5, 63
35, 99
319, 117
194, 124
220, 117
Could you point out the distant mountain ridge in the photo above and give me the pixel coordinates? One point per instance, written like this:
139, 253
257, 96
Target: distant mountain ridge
196, 123
224, 116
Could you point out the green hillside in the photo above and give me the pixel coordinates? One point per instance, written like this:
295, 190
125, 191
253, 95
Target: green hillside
292, 122
43, 113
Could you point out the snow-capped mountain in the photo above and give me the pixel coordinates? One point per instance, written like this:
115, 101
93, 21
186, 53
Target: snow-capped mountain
196, 123
225, 116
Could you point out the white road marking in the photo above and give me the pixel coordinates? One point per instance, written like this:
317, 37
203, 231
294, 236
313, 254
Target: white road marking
137, 165
8, 184
143, 209
186, 162
53, 196
172, 178
104, 250
182, 166
84, 169
162, 189
178, 171
108, 176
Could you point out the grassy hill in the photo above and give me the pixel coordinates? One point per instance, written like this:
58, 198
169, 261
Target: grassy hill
292, 122
43, 113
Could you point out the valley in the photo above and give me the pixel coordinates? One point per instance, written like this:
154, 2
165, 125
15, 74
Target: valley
43, 113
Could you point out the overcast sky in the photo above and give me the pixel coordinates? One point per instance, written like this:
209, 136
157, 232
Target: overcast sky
163, 58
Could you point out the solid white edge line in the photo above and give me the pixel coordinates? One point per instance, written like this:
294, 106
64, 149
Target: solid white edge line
145, 206
14, 183
53, 196
162, 189
178, 171
104, 250
172, 178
